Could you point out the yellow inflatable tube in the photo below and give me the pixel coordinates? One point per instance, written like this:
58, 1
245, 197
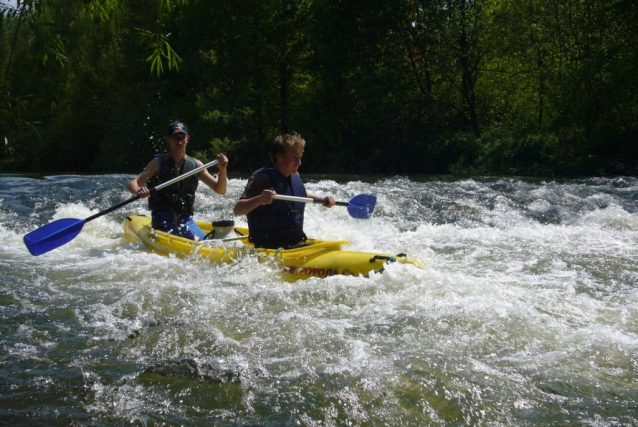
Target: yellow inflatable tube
320, 259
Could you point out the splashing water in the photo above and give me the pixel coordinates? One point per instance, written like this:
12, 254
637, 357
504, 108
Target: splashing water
525, 312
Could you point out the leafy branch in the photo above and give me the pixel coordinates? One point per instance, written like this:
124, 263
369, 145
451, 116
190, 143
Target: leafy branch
160, 50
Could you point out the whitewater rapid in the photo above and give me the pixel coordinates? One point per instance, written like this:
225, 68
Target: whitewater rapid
525, 313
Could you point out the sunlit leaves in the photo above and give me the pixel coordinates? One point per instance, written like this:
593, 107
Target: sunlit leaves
102, 10
161, 51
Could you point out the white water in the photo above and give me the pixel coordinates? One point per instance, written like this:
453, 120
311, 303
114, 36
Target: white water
525, 312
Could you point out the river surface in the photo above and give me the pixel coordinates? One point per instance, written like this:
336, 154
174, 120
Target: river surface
525, 313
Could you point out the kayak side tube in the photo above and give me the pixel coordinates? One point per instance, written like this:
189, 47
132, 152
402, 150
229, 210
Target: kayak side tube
320, 259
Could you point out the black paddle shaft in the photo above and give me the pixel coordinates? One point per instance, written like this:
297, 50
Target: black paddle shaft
112, 208
325, 200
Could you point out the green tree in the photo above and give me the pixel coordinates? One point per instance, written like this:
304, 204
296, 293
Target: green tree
76, 96
374, 85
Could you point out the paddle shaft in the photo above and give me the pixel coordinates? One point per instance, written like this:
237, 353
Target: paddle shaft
159, 187
306, 200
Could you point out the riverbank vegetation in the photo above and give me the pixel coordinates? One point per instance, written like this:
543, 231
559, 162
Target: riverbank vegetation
531, 87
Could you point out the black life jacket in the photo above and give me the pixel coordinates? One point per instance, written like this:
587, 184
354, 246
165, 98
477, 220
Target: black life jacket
280, 224
179, 197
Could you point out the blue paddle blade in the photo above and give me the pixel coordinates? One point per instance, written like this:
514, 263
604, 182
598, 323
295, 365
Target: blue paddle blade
53, 235
362, 205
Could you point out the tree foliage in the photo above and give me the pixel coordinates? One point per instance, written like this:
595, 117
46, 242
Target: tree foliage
394, 86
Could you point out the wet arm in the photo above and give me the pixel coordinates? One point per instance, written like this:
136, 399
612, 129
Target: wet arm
245, 206
220, 184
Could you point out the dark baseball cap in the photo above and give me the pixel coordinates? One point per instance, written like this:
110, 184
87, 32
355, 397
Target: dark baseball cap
176, 127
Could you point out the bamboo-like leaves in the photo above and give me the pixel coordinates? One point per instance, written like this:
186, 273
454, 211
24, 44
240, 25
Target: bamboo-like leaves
157, 42
52, 47
160, 50
102, 10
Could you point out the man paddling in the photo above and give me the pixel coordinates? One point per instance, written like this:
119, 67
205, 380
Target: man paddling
279, 224
172, 207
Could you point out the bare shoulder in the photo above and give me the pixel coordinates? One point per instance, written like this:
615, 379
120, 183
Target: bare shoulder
153, 166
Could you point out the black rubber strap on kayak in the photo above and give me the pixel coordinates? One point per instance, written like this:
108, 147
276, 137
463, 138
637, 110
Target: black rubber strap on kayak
387, 258
382, 258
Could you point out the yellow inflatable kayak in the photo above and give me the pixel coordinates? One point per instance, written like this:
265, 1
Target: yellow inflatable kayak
319, 259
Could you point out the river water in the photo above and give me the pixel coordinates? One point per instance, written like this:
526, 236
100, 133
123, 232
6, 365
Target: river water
525, 313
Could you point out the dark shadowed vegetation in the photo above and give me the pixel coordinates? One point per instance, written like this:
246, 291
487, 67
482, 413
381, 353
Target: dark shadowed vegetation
529, 87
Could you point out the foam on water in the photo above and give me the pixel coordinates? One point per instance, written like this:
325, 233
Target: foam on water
526, 311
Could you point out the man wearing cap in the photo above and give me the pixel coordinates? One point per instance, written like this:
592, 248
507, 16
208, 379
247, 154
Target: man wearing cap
172, 207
